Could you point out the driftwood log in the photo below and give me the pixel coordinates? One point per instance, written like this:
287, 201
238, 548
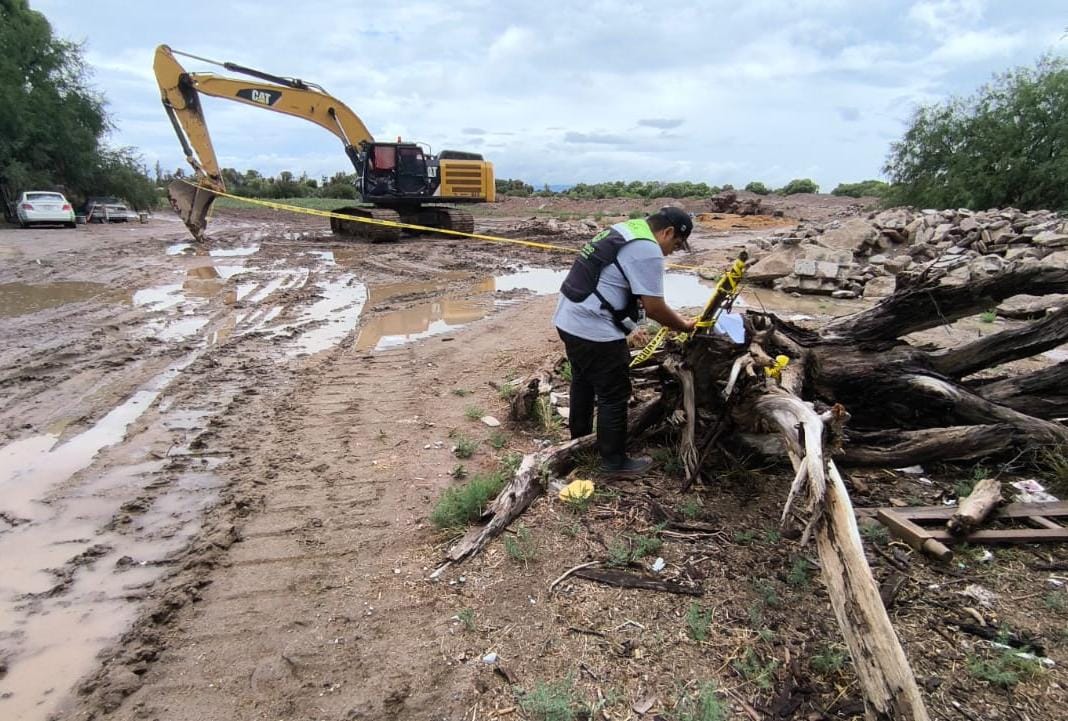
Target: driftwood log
859, 392
973, 510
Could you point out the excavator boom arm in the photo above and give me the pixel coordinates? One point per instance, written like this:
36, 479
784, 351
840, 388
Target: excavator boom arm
180, 92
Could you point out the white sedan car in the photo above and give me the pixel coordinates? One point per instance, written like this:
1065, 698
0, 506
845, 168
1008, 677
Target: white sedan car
39, 206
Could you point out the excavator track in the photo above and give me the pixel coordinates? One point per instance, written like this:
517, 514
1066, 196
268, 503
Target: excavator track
439, 216
367, 231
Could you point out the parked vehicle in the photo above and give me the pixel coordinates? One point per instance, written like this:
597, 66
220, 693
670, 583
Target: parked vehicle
40, 206
106, 209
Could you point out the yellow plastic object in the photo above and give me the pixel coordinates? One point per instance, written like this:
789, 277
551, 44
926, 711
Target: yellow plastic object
578, 490
774, 371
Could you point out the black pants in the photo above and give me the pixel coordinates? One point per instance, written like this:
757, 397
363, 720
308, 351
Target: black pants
600, 372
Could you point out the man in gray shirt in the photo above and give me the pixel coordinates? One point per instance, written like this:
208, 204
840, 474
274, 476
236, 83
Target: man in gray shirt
618, 270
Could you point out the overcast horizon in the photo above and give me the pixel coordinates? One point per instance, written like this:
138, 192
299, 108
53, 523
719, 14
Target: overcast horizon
561, 93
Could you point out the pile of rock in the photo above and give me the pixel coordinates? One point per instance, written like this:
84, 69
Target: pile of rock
861, 256
728, 202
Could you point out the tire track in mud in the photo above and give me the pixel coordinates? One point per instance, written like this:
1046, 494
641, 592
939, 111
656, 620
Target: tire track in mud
322, 610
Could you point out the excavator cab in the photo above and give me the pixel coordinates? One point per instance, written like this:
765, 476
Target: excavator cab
395, 170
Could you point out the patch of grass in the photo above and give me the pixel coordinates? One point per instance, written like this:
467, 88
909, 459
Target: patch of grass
800, 573
691, 509
964, 487
511, 461
461, 392
1056, 601
1052, 461
551, 701
988, 316
580, 505
766, 590
474, 413
755, 669
565, 370
545, 417
670, 459
829, 660
698, 621
744, 538
571, 529
630, 548
875, 533
459, 473
706, 705
507, 391
461, 505
465, 447
467, 618
1005, 669
756, 614
497, 440
587, 463
521, 547
634, 214
772, 536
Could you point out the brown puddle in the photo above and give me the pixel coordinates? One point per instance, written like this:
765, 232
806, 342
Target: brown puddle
422, 321
21, 298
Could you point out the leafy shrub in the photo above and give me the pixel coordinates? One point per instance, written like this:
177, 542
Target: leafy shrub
863, 189
799, 185
464, 504
757, 187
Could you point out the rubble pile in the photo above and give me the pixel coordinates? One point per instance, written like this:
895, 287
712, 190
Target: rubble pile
728, 202
861, 256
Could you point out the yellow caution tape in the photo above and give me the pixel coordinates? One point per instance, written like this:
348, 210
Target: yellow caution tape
406, 226
578, 490
731, 281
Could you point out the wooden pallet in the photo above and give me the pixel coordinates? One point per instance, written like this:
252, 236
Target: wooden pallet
905, 524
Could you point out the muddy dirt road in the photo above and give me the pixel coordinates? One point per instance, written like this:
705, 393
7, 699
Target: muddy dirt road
162, 403
216, 468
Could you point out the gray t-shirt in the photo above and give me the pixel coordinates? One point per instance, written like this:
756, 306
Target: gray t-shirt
643, 262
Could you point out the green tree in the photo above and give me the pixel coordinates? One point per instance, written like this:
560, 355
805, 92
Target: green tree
516, 188
51, 122
863, 189
1005, 145
757, 187
799, 185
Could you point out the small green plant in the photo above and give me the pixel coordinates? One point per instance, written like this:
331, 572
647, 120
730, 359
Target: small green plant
876, 533
565, 370
766, 590
571, 529
691, 509
579, 504
507, 391
756, 614
465, 447
618, 553
545, 416
459, 473
1005, 669
635, 214
744, 538
474, 413
1056, 601
510, 462
1052, 461
799, 574
988, 316
467, 618
550, 701
698, 621
964, 487
461, 505
829, 660
587, 463
461, 392
772, 536
382, 435
755, 669
766, 635
630, 548
521, 547
670, 460
497, 440
645, 545
706, 705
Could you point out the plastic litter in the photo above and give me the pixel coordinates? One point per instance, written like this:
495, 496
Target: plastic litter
578, 490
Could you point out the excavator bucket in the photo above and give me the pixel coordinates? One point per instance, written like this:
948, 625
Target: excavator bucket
192, 203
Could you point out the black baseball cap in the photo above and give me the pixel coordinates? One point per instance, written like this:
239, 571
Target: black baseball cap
681, 221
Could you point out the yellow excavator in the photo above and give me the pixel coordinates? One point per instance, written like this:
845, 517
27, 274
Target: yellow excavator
398, 182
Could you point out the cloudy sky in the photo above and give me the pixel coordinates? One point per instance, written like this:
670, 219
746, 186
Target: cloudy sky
563, 92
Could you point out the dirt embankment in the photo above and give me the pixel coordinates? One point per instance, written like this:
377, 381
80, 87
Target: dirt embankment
219, 468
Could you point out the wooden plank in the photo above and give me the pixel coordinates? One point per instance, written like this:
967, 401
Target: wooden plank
918, 538
1042, 522
1012, 510
1008, 535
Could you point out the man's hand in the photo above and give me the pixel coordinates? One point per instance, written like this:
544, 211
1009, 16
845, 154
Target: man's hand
659, 311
